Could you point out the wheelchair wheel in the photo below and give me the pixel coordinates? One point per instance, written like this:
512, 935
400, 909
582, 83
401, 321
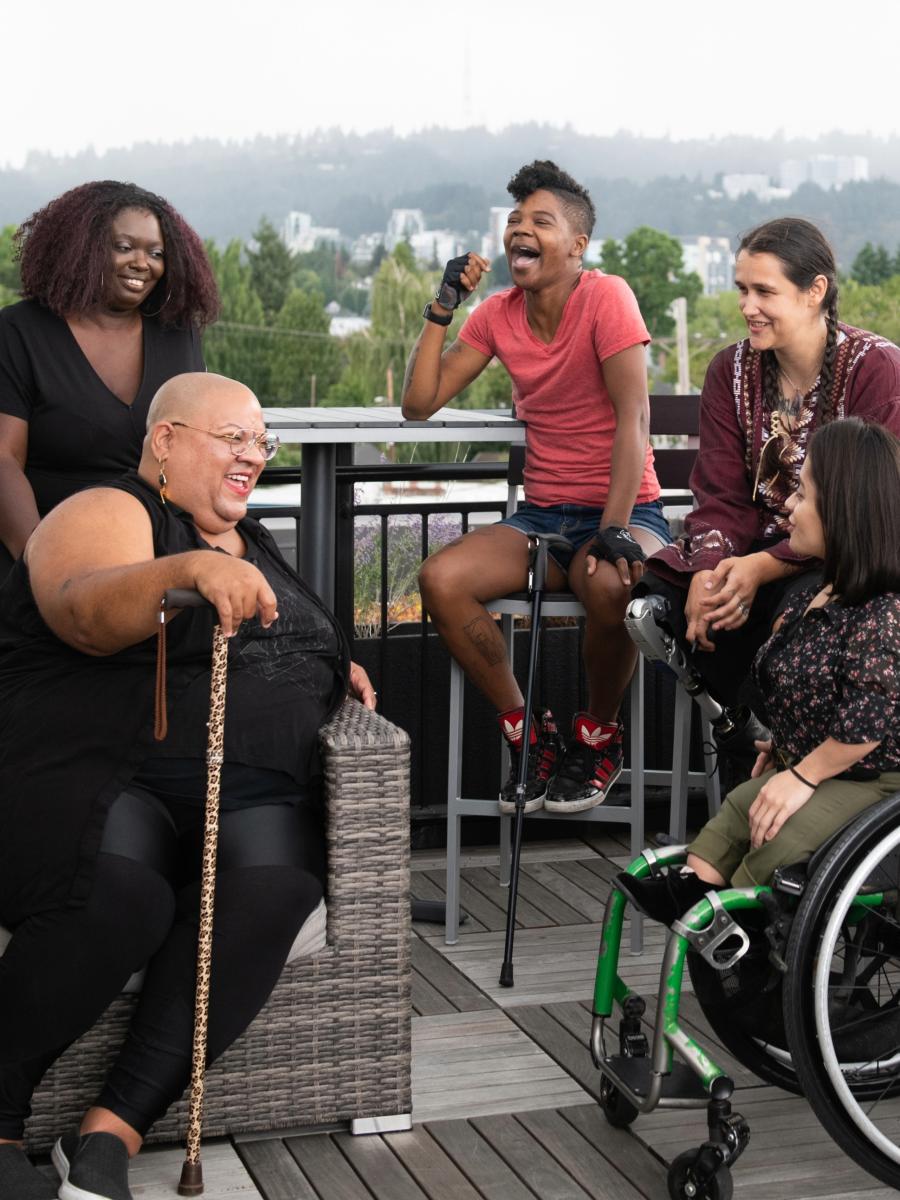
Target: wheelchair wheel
685, 1183
842, 991
744, 1009
619, 1111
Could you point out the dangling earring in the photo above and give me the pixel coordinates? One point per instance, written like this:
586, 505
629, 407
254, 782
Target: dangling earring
162, 479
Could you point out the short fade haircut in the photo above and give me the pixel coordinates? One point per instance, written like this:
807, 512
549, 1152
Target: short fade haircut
544, 175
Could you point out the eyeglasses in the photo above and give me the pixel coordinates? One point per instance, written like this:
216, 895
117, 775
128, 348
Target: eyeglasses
241, 440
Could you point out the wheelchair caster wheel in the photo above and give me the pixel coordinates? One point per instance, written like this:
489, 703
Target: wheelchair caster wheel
688, 1182
618, 1111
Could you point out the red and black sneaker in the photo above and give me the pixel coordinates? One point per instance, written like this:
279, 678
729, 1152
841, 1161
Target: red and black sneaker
591, 765
544, 751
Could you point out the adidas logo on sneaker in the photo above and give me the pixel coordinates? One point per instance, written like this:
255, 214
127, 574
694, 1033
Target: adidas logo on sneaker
544, 749
591, 765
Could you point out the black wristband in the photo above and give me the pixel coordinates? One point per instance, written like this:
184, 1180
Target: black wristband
434, 318
797, 775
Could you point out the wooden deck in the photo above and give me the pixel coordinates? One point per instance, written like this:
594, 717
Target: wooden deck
503, 1084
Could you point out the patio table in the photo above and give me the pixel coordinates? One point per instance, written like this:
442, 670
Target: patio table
322, 430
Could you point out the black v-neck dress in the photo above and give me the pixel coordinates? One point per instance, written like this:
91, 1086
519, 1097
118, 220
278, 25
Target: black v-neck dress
79, 432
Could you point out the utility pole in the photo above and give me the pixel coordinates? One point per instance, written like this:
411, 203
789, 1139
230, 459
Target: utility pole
312, 391
679, 312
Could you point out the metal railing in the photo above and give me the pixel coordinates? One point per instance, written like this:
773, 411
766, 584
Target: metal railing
394, 639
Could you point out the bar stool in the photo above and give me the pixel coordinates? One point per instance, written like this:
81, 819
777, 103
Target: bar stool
679, 778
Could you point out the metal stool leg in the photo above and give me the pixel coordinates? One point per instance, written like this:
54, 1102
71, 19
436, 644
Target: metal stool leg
454, 788
636, 690
681, 752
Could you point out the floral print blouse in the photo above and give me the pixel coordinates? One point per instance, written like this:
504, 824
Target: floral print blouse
834, 672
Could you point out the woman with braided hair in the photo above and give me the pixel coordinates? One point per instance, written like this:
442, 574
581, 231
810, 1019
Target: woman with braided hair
733, 570
117, 288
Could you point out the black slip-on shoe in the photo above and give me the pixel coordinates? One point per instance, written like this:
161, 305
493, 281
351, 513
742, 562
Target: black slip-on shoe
20, 1179
92, 1167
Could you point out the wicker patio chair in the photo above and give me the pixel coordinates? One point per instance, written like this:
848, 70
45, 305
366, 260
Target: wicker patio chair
333, 1042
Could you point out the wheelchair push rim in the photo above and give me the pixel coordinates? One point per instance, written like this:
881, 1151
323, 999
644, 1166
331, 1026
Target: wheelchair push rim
842, 994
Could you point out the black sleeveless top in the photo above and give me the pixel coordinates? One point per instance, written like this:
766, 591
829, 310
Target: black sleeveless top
75, 729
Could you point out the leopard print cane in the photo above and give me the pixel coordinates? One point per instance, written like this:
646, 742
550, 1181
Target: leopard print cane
191, 1183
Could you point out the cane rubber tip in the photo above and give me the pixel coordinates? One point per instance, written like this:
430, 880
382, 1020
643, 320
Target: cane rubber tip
191, 1182
506, 975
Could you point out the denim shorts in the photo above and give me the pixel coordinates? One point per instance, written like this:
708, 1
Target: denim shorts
580, 522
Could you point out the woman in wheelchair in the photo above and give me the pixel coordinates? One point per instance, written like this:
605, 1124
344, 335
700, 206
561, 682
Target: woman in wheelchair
798, 975
829, 678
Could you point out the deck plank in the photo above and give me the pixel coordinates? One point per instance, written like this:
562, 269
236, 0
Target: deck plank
481, 1163
528, 1158
326, 1168
375, 1162
451, 983
544, 899
478, 1063
627, 1152
154, 1174
552, 965
434, 1171
590, 907
590, 1169
275, 1171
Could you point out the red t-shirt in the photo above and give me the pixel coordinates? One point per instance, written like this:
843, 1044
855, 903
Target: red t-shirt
559, 390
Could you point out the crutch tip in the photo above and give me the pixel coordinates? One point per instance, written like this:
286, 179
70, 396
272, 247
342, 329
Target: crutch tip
506, 975
191, 1182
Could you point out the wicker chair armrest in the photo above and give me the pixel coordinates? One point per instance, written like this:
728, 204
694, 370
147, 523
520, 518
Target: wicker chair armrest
365, 763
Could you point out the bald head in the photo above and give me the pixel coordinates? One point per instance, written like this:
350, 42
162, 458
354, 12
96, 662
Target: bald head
195, 396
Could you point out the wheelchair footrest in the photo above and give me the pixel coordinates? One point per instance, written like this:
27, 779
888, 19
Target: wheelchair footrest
680, 1084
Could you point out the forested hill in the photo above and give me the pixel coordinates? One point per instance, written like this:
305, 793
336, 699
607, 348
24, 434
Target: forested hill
353, 182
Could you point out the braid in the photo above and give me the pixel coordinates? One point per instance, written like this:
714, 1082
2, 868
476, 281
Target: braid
826, 375
771, 386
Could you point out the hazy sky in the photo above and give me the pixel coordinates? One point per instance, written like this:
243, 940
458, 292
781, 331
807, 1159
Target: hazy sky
106, 73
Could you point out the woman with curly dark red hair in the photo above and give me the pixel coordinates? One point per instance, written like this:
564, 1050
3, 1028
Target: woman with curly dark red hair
117, 288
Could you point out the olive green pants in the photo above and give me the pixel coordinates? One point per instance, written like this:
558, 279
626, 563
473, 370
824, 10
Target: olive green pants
724, 842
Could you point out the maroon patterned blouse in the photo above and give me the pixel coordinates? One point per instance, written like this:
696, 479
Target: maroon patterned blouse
748, 465
834, 672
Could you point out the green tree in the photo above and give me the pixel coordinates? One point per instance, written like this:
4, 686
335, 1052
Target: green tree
304, 357
651, 261
9, 268
238, 344
271, 267
872, 265
873, 307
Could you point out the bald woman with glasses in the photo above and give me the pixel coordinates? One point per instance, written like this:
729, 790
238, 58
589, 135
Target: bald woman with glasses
102, 808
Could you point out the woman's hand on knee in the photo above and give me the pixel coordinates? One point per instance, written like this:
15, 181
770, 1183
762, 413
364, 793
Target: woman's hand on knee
779, 798
730, 592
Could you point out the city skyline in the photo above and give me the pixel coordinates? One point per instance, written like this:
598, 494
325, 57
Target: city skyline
109, 79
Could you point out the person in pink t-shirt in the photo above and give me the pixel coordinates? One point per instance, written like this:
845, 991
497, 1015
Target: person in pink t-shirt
573, 343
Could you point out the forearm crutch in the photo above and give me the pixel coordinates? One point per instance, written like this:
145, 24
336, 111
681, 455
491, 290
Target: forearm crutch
537, 582
191, 1182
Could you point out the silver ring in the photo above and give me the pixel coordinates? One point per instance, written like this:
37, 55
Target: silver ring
744, 609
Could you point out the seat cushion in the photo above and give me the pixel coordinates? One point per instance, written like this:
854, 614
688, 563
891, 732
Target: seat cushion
310, 940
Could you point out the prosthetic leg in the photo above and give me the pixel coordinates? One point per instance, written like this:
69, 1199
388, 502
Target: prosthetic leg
735, 729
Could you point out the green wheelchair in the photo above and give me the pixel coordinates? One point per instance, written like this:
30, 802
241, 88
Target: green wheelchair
800, 981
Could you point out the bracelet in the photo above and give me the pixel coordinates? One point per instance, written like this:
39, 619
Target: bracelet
797, 775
